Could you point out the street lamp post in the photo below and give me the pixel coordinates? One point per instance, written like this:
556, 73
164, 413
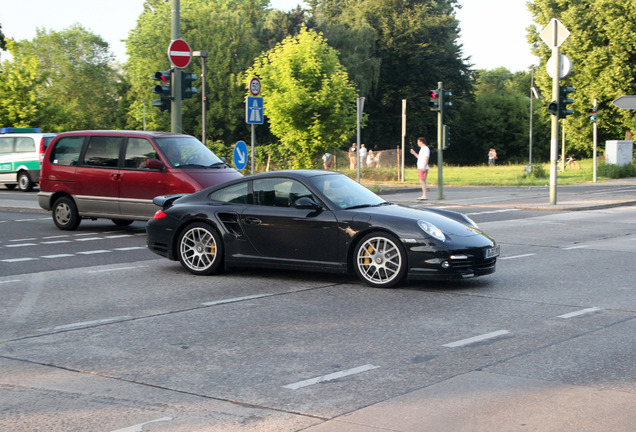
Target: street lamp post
203, 55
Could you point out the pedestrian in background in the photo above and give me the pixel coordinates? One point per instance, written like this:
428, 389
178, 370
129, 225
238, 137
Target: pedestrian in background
363, 156
492, 157
327, 160
422, 164
353, 154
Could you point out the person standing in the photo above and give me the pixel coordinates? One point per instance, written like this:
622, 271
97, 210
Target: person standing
363, 156
492, 157
422, 164
353, 156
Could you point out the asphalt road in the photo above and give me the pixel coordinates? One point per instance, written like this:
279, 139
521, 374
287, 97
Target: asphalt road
122, 341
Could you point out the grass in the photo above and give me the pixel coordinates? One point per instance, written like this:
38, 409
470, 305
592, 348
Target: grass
499, 175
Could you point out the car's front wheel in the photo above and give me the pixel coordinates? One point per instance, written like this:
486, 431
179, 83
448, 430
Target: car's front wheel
65, 214
200, 249
380, 260
24, 182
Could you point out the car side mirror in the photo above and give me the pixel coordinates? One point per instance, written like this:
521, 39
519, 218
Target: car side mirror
307, 203
154, 164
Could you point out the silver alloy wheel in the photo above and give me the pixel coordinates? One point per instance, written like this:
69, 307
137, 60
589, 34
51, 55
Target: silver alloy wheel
379, 261
63, 213
198, 249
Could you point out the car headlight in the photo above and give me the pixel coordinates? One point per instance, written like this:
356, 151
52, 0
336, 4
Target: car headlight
431, 230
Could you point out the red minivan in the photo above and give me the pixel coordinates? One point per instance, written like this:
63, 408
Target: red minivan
116, 174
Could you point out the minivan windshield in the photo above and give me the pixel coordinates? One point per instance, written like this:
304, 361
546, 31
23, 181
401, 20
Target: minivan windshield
187, 152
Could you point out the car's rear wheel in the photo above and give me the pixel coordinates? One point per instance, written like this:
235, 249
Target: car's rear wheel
380, 260
65, 214
200, 249
24, 182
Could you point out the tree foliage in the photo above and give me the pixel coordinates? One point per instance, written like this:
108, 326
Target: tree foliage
308, 98
602, 47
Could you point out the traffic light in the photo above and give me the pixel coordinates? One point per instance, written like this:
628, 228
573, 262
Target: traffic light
163, 89
564, 101
446, 99
187, 91
434, 102
592, 111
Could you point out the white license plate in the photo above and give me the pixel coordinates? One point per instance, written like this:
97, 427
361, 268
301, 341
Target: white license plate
492, 252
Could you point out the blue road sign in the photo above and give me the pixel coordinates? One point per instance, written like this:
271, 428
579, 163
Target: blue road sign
254, 110
240, 155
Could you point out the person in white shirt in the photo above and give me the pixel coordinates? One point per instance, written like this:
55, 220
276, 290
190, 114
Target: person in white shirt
422, 164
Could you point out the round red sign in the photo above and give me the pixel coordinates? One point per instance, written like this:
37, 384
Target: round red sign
179, 53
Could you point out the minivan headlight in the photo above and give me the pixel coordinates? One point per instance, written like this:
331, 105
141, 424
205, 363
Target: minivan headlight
432, 230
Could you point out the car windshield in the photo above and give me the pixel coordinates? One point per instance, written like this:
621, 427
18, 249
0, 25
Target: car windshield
187, 152
345, 193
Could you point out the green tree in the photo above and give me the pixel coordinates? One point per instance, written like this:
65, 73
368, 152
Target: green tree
20, 105
602, 47
308, 98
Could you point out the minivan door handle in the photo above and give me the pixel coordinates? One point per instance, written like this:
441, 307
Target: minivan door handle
115, 176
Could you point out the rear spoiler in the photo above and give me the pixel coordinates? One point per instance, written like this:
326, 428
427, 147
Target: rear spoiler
164, 201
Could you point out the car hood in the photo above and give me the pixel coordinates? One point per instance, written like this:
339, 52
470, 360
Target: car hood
210, 176
447, 225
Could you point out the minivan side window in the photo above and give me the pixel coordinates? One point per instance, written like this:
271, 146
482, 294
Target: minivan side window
67, 150
103, 151
138, 151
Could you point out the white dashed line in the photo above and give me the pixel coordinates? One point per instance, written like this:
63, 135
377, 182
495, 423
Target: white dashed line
236, 299
516, 256
477, 339
85, 323
330, 377
579, 313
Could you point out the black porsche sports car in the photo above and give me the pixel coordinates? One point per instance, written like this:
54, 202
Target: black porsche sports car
316, 220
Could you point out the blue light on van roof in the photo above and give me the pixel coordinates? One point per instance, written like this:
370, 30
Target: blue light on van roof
19, 130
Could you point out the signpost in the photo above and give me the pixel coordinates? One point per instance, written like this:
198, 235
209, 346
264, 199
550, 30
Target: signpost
554, 35
254, 110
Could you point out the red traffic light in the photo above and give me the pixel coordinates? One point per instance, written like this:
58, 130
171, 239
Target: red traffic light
434, 94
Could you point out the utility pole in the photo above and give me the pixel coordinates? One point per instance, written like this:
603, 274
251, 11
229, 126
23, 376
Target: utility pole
175, 33
204, 99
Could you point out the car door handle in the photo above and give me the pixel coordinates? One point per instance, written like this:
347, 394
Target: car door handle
115, 176
252, 220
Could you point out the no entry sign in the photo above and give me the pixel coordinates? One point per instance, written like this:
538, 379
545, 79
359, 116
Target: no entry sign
179, 53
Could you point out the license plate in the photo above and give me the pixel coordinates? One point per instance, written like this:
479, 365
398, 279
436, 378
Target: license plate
492, 252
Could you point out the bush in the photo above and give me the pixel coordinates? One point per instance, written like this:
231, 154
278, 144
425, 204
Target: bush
616, 171
538, 171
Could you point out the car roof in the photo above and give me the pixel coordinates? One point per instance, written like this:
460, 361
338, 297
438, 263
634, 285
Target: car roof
123, 133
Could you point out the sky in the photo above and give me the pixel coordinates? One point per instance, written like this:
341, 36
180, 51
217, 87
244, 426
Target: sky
492, 31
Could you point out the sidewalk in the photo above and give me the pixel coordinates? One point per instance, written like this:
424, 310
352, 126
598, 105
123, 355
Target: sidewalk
586, 196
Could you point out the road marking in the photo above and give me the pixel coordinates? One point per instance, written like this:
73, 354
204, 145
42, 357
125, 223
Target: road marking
516, 256
116, 269
10, 281
579, 312
331, 377
236, 299
55, 242
492, 211
57, 256
576, 247
140, 427
89, 239
13, 260
130, 248
24, 239
117, 236
476, 339
85, 323
93, 252
20, 245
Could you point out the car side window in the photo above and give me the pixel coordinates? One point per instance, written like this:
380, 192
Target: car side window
24, 145
67, 150
235, 194
103, 151
278, 192
6, 145
138, 151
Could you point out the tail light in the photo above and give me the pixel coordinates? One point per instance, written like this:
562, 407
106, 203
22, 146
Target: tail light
42, 150
159, 215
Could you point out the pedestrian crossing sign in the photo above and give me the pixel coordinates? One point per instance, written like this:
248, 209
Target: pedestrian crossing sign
254, 110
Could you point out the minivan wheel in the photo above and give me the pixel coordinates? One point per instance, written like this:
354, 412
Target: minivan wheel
200, 249
24, 182
65, 214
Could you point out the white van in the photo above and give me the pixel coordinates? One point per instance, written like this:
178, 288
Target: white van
21, 153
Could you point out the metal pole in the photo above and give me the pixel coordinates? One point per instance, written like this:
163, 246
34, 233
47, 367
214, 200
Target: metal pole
595, 133
440, 146
175, 118
253, 145
554, 136
204, 56
531, 118
403, 158
360, 108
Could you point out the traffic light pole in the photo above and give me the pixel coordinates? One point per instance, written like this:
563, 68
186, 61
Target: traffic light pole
554, 135
595, 133
175, 114
440, 143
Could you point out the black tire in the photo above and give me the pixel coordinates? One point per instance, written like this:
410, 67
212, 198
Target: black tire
122, 222
65, 214
200, 249
379, 260
24, 182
